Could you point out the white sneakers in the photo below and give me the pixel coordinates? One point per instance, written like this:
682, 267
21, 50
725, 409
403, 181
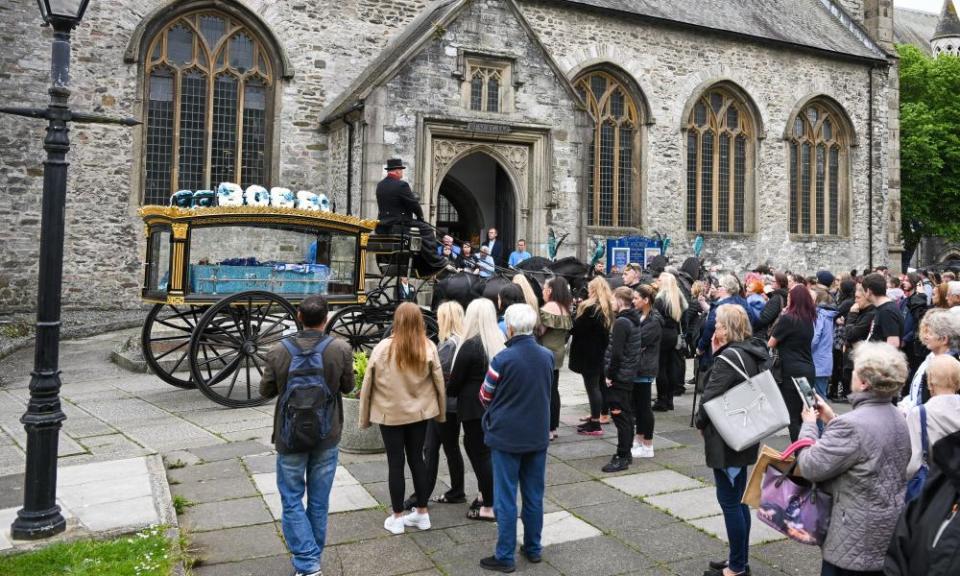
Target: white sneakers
641, 450
395, 525
414, 518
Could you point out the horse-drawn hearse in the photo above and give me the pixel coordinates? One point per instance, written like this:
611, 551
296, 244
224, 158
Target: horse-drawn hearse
224, 282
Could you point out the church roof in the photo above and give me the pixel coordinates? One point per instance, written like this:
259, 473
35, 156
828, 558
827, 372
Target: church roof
914, 27
817, 24
949, 24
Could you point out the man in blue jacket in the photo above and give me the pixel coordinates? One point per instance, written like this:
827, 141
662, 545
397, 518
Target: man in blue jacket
516, 427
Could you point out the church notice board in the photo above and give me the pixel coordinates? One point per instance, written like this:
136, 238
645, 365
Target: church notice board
632, 249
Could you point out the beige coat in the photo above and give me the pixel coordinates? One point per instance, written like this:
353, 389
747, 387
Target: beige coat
395, 398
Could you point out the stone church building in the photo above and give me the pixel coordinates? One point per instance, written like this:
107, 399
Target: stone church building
770, 128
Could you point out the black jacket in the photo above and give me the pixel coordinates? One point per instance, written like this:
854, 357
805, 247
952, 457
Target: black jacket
497, 252
466, 377
622, 358
396, 202
721, 378
771, 311
589, 338
651, 331
858, 325
911, 550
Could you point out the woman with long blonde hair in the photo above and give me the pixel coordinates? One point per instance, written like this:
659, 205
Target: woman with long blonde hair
402, 389
482, 340
528, 294
445, 434
672, 306
588, 343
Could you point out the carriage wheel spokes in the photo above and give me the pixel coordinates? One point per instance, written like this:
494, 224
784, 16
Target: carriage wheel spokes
165, 342
361, 327
230, 344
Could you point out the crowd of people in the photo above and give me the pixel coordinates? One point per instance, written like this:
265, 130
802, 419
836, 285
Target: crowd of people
486, 260
886, 344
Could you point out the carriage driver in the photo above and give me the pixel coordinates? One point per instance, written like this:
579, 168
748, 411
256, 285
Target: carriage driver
397, 205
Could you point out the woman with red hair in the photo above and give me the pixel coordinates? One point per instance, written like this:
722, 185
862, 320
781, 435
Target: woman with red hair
792, 336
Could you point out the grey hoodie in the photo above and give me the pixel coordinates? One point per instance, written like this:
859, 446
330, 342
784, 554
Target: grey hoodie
943, 419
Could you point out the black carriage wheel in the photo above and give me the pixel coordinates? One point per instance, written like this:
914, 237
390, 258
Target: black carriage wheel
229, 346
360, 326
165, 341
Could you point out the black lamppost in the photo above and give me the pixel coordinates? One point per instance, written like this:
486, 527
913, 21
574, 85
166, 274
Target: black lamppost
40, 516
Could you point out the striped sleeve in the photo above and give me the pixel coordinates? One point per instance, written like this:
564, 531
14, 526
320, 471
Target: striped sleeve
489, 387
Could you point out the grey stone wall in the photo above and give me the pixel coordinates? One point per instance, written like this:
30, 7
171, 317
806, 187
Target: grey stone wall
671, 66
326, 42
429, 88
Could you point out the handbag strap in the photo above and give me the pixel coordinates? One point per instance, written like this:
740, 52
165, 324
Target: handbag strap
796, 447
742, 372
924, 440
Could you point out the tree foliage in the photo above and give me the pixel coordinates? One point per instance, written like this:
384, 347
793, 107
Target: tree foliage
929, 145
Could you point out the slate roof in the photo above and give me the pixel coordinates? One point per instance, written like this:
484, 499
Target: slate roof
914, 27
808, 23
949, 24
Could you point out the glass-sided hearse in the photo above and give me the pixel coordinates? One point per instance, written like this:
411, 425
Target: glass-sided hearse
225, 280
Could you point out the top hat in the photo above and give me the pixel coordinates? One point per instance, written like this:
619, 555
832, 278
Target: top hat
395, 164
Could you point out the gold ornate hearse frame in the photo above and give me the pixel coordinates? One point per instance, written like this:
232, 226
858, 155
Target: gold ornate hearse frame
181, 220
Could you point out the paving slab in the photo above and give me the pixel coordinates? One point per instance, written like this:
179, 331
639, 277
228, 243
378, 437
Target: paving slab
577, 450
572, 496
261, 464
651, 483
786, 555
562, 473
230, 450
383, 557
347, 494
464, 560
600, 556
223, 469
689, 504
593, 466
204, 491
349, 527
236, 544
674, 542
759, 532
560, 527
624, 515
226, 514
115, 444
11, 490
257, 567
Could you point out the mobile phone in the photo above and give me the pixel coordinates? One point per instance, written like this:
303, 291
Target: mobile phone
806, 391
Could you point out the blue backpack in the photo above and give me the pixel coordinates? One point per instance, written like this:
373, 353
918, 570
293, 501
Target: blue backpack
915, 485
307, 407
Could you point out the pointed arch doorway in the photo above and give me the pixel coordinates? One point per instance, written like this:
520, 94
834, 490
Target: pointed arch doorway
477, 194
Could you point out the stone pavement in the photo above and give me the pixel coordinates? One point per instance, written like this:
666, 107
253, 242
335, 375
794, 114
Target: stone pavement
659, 517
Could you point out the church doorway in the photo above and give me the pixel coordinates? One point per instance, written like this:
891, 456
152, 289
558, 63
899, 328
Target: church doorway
475, 195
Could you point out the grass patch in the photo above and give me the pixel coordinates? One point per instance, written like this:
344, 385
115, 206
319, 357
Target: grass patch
176, 465
146, 553
180, 504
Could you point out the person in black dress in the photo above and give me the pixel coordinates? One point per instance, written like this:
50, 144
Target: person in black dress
792, 336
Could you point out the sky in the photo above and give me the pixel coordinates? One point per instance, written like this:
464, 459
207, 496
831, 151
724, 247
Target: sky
926, 5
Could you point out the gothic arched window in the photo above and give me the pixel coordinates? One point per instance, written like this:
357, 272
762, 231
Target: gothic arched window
720, 144
208, 108
614, 154
818, 160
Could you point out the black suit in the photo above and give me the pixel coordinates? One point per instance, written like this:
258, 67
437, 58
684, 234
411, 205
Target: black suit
398, 205
497, 252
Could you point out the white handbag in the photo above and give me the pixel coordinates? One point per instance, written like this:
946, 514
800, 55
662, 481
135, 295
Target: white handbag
750, 411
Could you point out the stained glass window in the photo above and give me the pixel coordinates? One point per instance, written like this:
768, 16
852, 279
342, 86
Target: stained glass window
613, 153
719, 140
206, 124
818, 152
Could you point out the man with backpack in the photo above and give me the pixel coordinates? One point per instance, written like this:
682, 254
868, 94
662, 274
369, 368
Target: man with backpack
309, 371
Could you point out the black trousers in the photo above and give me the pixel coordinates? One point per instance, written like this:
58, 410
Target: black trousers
479, 454
670, 373
597, 394
642, 409
446, 435
555, 402
794, 406
405, 442
621, 411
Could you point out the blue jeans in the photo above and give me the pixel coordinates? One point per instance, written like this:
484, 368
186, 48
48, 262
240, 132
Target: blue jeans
821, 384
306, 530
736, 517
529, 470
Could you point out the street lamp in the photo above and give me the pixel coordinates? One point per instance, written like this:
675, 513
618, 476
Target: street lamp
40, 516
